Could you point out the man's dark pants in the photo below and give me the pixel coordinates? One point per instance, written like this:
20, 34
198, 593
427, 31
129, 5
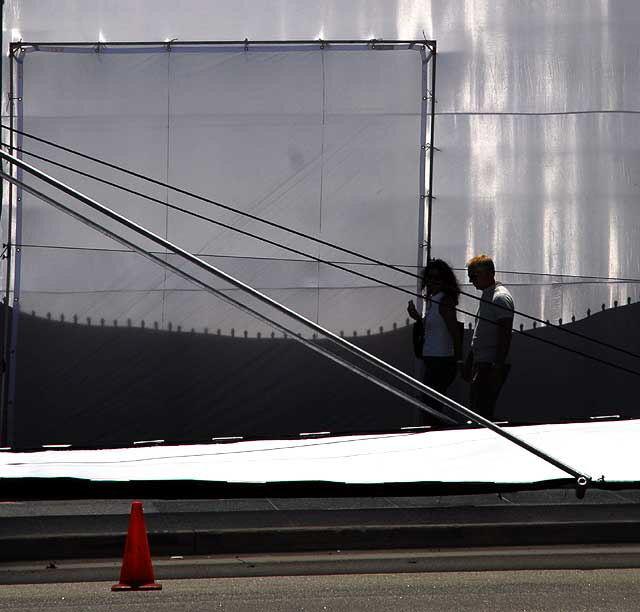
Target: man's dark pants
486, 384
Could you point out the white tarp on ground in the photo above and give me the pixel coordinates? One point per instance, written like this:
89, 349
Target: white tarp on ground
605, 451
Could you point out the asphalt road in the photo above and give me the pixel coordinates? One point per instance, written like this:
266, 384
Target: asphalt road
332, 563
526, 591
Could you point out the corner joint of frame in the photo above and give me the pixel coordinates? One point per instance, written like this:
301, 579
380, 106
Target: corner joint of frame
17, 49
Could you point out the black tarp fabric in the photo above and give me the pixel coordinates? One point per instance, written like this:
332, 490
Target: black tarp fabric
89, 385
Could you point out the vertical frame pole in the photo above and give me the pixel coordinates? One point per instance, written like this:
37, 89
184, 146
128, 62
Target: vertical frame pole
17, 258
6, 332
423, 232
12, 289
422, 183
432, 116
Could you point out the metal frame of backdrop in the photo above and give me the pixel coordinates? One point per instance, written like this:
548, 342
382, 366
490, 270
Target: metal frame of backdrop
17, 52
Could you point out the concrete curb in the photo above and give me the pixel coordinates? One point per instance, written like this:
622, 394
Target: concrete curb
190, 542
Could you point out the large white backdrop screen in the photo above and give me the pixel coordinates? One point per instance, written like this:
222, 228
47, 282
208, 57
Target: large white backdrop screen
326, 142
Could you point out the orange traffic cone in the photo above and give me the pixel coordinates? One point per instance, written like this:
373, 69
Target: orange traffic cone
137, 572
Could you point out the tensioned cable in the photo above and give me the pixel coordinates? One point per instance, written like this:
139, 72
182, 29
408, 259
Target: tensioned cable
371, 260
596, 279
245, 451
327, 262
270, 287
366, 276
303, 235
604, 279
408, 292
397, 288
312, 238
221, 294
587, 276
582, 479
300, 234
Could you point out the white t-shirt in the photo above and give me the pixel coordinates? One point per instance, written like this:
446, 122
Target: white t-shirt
496, 304
437, 339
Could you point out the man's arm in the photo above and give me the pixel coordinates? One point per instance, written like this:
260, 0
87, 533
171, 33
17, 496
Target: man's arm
504, 340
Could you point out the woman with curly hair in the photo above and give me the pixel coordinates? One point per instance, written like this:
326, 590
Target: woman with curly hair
438, 335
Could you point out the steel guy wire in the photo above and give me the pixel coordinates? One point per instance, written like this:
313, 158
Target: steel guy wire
332, 264
283, 228
582, 479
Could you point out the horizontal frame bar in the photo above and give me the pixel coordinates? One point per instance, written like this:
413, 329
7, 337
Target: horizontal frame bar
263, 46
372, 42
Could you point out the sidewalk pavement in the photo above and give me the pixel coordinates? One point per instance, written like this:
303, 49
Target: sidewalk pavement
96, 529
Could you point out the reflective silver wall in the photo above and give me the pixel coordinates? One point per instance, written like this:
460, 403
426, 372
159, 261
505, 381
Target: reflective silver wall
537, 119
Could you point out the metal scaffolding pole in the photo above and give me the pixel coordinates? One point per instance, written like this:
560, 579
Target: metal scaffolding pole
9, 263
221, 295
582, 479
432, 116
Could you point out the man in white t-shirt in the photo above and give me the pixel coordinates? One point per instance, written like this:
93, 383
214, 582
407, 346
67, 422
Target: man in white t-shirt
487, 365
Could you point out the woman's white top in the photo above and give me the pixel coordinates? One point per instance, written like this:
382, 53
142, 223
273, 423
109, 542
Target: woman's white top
437, 339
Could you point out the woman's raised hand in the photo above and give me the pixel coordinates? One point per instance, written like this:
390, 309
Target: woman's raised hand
413, 313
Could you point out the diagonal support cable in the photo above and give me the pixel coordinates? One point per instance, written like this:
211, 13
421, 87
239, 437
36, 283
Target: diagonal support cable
302, 235
582, 479
226, 298
339, 266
